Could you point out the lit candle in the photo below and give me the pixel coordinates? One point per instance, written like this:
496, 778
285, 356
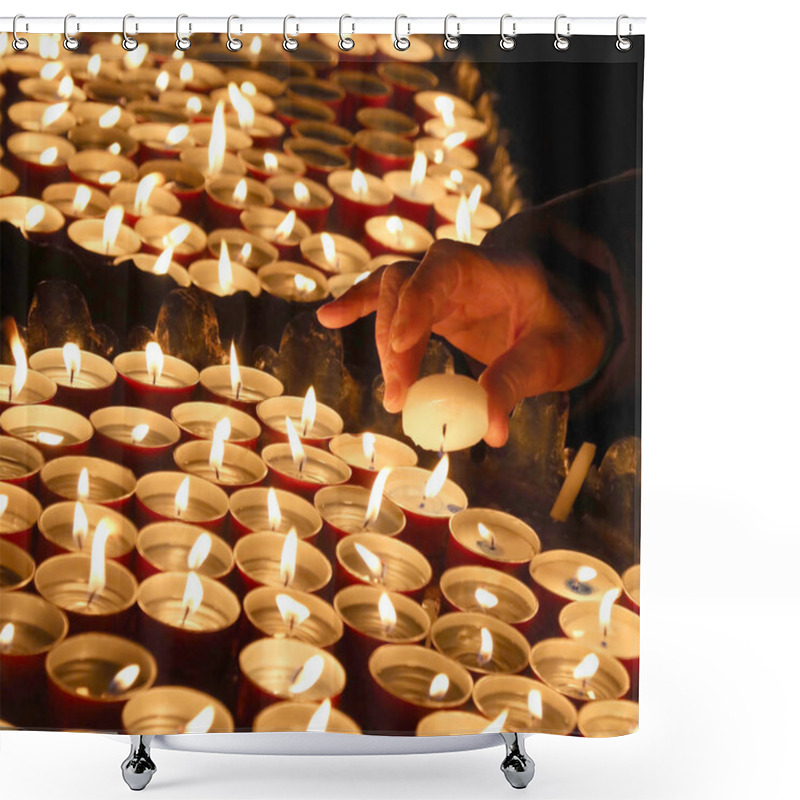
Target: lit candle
447, 152
310, 200
460, 180
161, 139
245, 248
105, 237
183, 180
359, 196
16, 567
315, 423
20, 463
414, 192
19, 512
288, 716
407, 80
458, 723
264, 163
283, 229
606, 718
198, 420
267, 509
333, 253
380, 152
158, 232
630, 585
441, 105
166, 710
319, 158
40, 157
293, 282
145, 198
54, 430
103, 139
463, 229
389, 120
396, 235
41, 117
228, 195
481, 215
36, 221
473, 130
242, 387
176, 496
100, 169
77, 200
227, 465
18, 384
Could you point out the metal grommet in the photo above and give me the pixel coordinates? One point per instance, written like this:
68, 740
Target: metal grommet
507, 42
451, 42
182, 42
19, 44
70, 42
401, 42
561, 42
346, 42
623, 44
290, 44
128, 42
233, 44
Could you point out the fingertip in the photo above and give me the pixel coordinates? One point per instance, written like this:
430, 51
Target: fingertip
329, 315
497, 435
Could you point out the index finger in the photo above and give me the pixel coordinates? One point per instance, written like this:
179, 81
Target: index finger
358, 301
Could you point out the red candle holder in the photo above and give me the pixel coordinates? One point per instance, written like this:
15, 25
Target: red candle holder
380, 152
310, 200
198, 420
55, 431
38, 221
174, 385
233, 468
158, 232
359, 196
185, 182
21, 511
244, 248
16, 567
284, 230
264, 163
332, 135
394, 234
294, 282
363, 90
290, 110
77, 200
630, 587
175, 496
262, 509
161, 139
367, 453
227, 196
306, 475
39, 159
327, 93
100, 169
458, 180
131, 196
320, 159
20, 463
406, 80
324, 424
415, 194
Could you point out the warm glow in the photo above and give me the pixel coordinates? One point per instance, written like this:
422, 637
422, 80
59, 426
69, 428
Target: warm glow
273, 510
498, 723
201, 722
182, 497
307, 675
304, 285
289, 557
124, 679
240, 191
162, 81
48, 46
446, 107
295, 445
387, 612
97, 565
110, 178
154, 361
49, 71
358, 183
194, 104
394, 224
376, 497
48, 156
440, 685
80, 526
7, 634
245, 252
292, 612
143, 191
418, 168
110, 118
176, 135
161, 266
463, 221
83, 485
187, 72
585, 574
535, 703
199, 552
286, 226
437, 479
249, 88
320, 718
135, 58
192, 595
474, 198
225, 269
242, 106
3, 504
65, 87
486, 648
374, 564
236, 375
34, 216
255, 45
368, 444
49, 438
301, 193
486, 535
83, 194
217, 143
53, 113
270, 162
485, 598
93, 66
606, 607
309, 413
456, 176
587, 668
20, 360
111, 226
328, 248
178, 235
115, 148
72, 360
454, 140
139, 432
216, 457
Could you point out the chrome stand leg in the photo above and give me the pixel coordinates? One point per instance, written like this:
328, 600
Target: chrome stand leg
138, 768
517, 766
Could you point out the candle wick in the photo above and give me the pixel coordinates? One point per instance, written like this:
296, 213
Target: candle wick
92, 595
238, 389
185, 615
177, 512
71, 377
216, 471
372, 461
444, 434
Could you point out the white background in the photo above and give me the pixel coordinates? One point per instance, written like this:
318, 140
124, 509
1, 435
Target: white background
721, 538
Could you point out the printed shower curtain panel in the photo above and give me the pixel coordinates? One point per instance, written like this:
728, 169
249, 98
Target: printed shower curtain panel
320, 386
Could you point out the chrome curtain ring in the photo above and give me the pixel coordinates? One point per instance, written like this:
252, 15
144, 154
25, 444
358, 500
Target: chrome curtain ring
233, 44
290, 44
19, 44
128, 42
623, 42
70, 42
346, 42
182, 42
507, 41
401, 42
561, 42
451, 42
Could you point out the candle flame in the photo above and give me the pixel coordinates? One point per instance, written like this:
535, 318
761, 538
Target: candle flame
144, 190
587, 668
301, 193
80, 526
53, 113
586, 574
162, 81
7, 634
487, 647
535, 704
307, 675
295, 445
110, 118
418, 168
498, 723
135, 58
65, 87
255, 45
368, 444
201, 722
453, 140
606, 607
3, 504
49, 438
222, 432
286, 226
83, 485
225, 269
289, 557
437, 478
474, 198
178, 235
48, 156
387, 612
182, 497
236, 375
124, 679
199, 552
292, 612
110, 178
83, 194
303, 284
194, 104
376, 497
115, 148
374, 564
139, 432
328, 248
309, 414
242, 106
176, 135
49, 71
320, 718
217, 143
72, 361
192, 595
486, 535
394, 224
273, 510
34, 216
161, 267
358, 183
93, 66
446, 107
270, 162
97, 564
111, 225
154, 361
440, 685
485, 598
456, 177
463, 221
245, 252
240, 191
20, 359
249, 88
187, 72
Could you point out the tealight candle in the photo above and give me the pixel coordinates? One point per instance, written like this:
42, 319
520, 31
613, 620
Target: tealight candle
446, 412
241, 387
283, 561
158, 232
85, 380
460, 180
105, 115
326, 92
198, 76
198, 420
264, 163
136, 438
630, 585
314, 422
288, 716
389, 120
228, 195
77, 200
380, 152
310, 200
107, 236
415, 194
334, 253
29, 628
396, 235
285, 669
332, 135
606, 718
262, 509
178, 547
19, 385
367, 453
36, 220
481, 215
16, 567
198, 106
454, 723
212, 163
462, 231
161, 139
440, 105
489, 591
91, 676
293, 282
406, 81
245, 248
144, 198
532, 706
290, 110
359, 196
339, 284
447, 152
222, 277
9, 182
104, 139
20, 463
188, 621
39, 158
227, 465
154, 380
100, 169
284, 230
184, 181
473, 130
288, 614
577, 671
19, 512
54, 430
481, 643
185, 498
95, 593
70, 527
320, 159
48, 90
165, 710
